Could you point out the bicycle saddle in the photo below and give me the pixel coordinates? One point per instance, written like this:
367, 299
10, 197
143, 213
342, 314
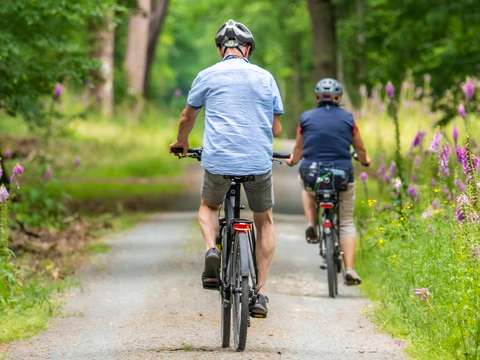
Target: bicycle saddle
240, 179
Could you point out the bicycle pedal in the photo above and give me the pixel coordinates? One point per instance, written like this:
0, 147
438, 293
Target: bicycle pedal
211, 284
258, 316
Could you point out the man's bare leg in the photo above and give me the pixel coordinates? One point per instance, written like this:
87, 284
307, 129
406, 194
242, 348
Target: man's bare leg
265, 245
348, 247
208, 219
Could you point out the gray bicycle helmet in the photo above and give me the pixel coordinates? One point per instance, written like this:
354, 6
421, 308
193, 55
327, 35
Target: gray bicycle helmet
329, 90
233, 34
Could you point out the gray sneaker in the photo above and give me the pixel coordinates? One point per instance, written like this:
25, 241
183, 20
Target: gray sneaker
259, 308
211, 272
352, 278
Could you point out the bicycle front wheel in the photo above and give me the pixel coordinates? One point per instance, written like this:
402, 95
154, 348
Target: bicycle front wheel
331, 265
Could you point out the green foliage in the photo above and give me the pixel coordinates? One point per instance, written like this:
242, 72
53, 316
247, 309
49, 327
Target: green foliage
44, 42
440, 38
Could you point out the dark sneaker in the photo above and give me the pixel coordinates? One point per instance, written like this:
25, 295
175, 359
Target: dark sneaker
211, 272
352, 278
311, 235
259, 308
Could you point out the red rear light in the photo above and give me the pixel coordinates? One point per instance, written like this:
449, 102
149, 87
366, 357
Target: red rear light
326, 205
327, 224
242, 227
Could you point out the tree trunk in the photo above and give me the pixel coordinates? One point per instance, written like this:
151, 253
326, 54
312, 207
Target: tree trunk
159, 12
102, 88
143, 31
322, 17
137, 45
362, 59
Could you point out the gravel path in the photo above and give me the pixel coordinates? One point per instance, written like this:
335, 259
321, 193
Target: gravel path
144, 301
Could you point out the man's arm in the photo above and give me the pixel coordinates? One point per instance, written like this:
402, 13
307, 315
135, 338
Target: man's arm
185, 126
277, 126
360, 148
297, 150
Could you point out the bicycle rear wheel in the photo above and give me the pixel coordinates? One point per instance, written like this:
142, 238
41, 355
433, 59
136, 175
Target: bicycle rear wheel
241, 294
331, 265
225, 318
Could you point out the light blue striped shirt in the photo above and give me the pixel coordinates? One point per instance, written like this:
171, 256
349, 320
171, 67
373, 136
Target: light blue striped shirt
240, 101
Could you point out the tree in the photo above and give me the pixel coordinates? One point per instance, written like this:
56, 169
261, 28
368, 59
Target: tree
101, 88
43, 43
143, 32
322, 16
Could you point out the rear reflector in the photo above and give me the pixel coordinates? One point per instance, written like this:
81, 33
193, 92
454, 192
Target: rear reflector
327, 224
326, 205
242, 227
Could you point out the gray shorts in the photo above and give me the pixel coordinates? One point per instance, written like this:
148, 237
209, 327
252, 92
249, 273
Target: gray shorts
259, 191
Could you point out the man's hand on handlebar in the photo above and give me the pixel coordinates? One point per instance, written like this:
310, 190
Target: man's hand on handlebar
180, 144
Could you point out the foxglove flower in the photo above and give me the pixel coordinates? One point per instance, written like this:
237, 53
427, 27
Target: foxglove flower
8, 153
469, 89
444, 157
390, 90
461, 111
57, 91
435, 144
455, 135
3, 193
363, 177
77, 161
460, 185
17, 171
412, 192
418, 139
393, 169
397, 185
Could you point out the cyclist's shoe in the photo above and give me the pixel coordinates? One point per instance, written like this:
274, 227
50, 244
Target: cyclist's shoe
352, 278
311, 235
324, 265
259, 309
211, 273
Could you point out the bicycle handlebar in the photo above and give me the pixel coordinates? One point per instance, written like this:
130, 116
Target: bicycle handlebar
197, 153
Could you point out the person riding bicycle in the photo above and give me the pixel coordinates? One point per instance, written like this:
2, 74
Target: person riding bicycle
242, 114
325, 135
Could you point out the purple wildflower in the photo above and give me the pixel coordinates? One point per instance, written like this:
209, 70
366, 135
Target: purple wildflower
444, 157
392, 169
422, 293
414, 178
17, 171
397, 185
363, 177
455, 135
435, 204
3, 193
435, 144
469, 89
460, 185
77, 161
390, 90
418, 139
8, 153
48, 174
177, 93
459, 215
461, 111
462, 158
57, 91
381, 171
412, 192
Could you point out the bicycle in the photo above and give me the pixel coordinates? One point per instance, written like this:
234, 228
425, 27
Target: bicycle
238, 270
328, 185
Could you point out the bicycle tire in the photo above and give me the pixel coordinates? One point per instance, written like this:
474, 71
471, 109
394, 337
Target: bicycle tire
225, 304
226, 320
241, 294
331, 265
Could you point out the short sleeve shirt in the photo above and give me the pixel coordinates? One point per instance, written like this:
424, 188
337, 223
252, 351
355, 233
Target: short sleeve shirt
240, 101
327, 136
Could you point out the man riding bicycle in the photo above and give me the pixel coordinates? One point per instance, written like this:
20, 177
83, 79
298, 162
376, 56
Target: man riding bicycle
242, 111
325, 135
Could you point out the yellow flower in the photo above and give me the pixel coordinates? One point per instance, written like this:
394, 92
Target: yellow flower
381, 242
371, 202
